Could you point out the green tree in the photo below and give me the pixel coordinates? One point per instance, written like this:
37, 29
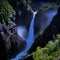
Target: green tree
50, 52
5, 11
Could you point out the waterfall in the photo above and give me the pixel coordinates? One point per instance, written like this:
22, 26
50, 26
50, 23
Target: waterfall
30, 39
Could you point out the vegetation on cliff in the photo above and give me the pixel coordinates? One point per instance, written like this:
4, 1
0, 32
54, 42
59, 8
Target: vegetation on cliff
10, 43
50, 52
6, 11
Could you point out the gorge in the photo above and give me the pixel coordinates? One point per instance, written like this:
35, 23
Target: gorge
31, 35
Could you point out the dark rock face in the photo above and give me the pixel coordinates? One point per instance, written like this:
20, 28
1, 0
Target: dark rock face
40, 20
23, 16
10, 43
24, 19
49, 33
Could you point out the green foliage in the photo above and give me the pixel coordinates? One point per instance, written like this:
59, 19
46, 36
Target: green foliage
50, 52
5, 10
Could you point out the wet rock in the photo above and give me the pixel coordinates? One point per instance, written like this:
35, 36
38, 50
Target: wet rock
10, 43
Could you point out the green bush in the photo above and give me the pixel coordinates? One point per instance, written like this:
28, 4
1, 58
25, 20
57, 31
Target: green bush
50, 52
5, 11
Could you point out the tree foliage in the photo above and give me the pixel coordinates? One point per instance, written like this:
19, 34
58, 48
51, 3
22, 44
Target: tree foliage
5, 11
50, 52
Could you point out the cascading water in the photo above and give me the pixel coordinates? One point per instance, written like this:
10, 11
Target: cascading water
30, 38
